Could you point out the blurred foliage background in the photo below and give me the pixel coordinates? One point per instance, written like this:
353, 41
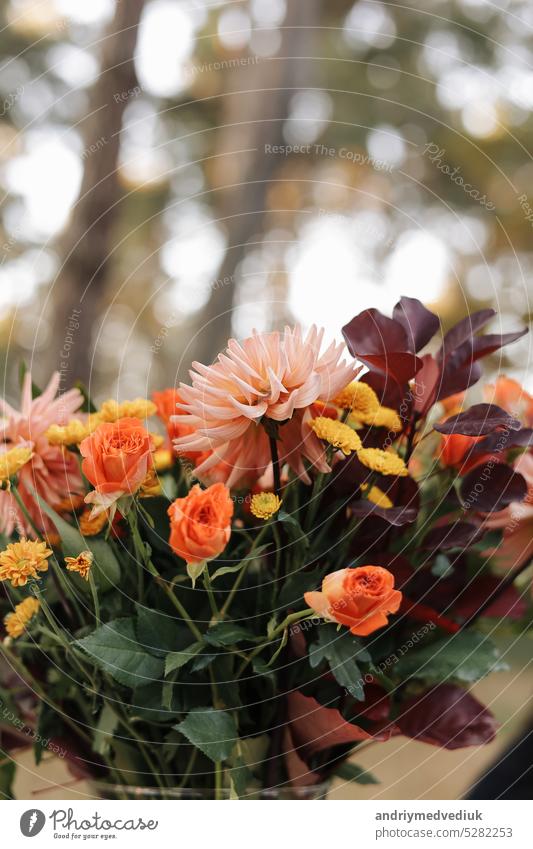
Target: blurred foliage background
152, 204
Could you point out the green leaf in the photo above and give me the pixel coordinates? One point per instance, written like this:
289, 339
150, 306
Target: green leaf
7, 777
177, 659
212, 731
466, 656
342, 651
115, 649
227, 634
106, 568
351, 772
294, 527
240, 777
289, 519
227, 570
296, 585
105, 728
161, 633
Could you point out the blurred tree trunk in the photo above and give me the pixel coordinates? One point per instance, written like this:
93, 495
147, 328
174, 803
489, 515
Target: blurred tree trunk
86, 245
256, 105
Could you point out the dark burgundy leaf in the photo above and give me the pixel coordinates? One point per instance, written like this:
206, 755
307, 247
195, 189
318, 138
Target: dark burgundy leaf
382, 344
481, 346
491, 487
455, 379
399, 565
447, 716
390, 394
346, 478
371, 332
426, 384
463, 331
419, 323
396, 516
478, 420
507, 604
425, 613
402, 366
500, 441
454, 535
314, 727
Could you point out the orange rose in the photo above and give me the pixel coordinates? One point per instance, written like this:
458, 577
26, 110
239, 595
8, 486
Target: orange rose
359, 598
512, 396
117, 456
455, 451
200, 524
166, 402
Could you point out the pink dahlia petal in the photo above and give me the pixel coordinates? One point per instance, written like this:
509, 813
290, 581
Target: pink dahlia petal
269, 375
52, 473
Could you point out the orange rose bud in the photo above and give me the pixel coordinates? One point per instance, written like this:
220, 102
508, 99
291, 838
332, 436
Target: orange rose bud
360, 598
117, 457
200, 523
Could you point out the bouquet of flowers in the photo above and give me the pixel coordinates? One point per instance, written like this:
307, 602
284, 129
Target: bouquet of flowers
301, 565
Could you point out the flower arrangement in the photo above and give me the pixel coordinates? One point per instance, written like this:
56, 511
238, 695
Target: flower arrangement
301, 564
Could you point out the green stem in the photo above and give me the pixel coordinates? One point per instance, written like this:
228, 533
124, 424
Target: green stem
96, 603
240, 576
139, 544
189, 767
193, 628
289, 620
275, 465
25, 513
154, 768
60, 636
218, 780
141, 557
232, 593
29, 679
210, 594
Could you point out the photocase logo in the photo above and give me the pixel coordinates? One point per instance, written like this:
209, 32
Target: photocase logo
32, 822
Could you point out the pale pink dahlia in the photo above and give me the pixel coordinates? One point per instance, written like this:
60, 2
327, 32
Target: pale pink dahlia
269, 375
52, 472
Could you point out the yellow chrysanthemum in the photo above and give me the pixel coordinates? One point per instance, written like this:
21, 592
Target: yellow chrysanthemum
377, 496
357, 396
17, 621
157, 439
140, 408
91, 527
265, 504
23, 560
382, 417
384, 462
13, 460
80, 564
337, 434
74, 432
163, 459
70, 434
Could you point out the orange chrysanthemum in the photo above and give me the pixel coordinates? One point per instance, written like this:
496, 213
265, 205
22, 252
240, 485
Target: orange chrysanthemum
17, 621
23, 560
